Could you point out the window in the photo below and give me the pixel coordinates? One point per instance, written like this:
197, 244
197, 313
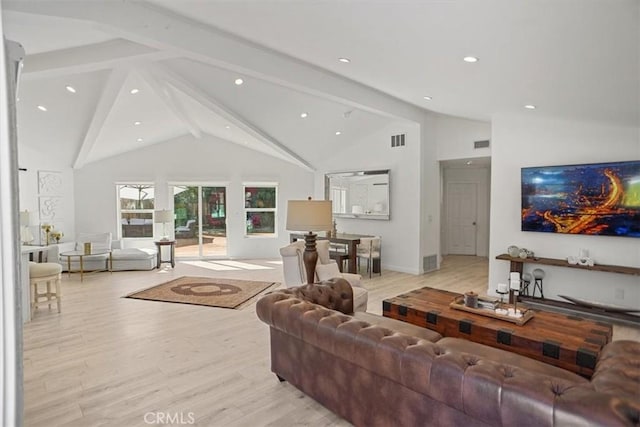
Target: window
135, 210
260, 207
339, 199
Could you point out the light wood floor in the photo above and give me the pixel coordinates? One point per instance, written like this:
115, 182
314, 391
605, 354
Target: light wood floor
108, 361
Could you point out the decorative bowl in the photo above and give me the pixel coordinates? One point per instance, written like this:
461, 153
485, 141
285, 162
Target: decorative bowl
513, 251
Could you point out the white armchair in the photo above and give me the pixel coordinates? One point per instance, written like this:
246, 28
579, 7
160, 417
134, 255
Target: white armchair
326, 268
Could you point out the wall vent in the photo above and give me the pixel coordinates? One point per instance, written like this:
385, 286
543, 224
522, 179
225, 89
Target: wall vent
481, 144
430, 263
397, 140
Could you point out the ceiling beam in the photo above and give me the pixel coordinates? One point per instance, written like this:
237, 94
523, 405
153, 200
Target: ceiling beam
84, 59
165, 93
104, 106
216, 107
161, 29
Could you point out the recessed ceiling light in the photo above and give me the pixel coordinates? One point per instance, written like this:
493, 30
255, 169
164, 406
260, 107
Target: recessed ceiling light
338, 133
469, 162
530, 107
137, 123
42, 108
304, 115
345, 60
17, 99
428, 98
238, 82
134, 91
139, 139
470, 59
70, 89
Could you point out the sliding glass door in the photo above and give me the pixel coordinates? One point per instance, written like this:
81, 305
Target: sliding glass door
200, 220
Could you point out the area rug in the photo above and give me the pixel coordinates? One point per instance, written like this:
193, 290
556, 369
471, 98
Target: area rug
226, 293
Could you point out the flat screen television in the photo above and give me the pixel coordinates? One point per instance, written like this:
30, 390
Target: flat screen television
597, 199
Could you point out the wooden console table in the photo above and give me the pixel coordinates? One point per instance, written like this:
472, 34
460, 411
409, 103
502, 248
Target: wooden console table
518, 263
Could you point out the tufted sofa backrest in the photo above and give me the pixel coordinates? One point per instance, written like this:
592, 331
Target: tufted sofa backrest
334, 294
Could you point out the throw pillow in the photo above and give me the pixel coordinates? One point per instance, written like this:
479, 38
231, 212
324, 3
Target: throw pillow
327, 271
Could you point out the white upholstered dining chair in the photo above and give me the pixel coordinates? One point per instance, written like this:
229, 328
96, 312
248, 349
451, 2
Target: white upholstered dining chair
370, 250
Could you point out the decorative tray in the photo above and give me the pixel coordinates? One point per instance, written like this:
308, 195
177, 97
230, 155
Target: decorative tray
527, 314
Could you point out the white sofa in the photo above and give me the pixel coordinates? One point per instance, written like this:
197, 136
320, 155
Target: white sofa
133, 258
124, 258
294, 273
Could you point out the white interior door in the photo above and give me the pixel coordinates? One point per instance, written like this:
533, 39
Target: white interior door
461, 217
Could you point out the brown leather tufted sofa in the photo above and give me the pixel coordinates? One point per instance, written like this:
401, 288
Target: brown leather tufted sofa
375, 371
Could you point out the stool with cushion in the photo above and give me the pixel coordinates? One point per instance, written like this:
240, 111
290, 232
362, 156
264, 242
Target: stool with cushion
50, 275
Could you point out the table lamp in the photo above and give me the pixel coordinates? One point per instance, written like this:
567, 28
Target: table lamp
309, 215
163, 216
26, 236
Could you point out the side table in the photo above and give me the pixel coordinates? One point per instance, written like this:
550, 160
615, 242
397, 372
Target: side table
172, 251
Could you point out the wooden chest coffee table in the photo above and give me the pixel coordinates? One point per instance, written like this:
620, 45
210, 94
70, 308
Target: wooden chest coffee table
569, 342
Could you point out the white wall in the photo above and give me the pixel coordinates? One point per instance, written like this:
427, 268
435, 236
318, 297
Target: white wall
455, 136
401, 234
430, 192
519, 141
452, 138
480, 177
186, 159
34, 160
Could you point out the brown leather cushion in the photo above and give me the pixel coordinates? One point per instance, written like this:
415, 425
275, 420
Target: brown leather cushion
508, 358
618, 370
398, 326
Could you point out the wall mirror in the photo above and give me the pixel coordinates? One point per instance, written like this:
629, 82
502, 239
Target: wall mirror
359, 194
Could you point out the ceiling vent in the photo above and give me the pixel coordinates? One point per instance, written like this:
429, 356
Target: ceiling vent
481, 144
398, 140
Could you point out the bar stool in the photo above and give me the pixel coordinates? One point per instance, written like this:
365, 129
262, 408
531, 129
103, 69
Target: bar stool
538, 275
526, 281
49, 274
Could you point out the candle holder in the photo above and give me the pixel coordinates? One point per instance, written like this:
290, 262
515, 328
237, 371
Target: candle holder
47, 230
56, 235
502, 294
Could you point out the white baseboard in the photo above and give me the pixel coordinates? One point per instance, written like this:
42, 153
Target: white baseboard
401, 269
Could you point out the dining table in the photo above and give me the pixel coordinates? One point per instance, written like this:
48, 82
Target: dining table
351, 241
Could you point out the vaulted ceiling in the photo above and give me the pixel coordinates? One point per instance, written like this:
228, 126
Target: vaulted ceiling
572, 59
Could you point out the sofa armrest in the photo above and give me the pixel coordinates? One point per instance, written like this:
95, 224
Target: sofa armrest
354, 280
335, 294
618, 370
57, 249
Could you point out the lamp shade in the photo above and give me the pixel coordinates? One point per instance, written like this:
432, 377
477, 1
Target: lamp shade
309, 215
163, 216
